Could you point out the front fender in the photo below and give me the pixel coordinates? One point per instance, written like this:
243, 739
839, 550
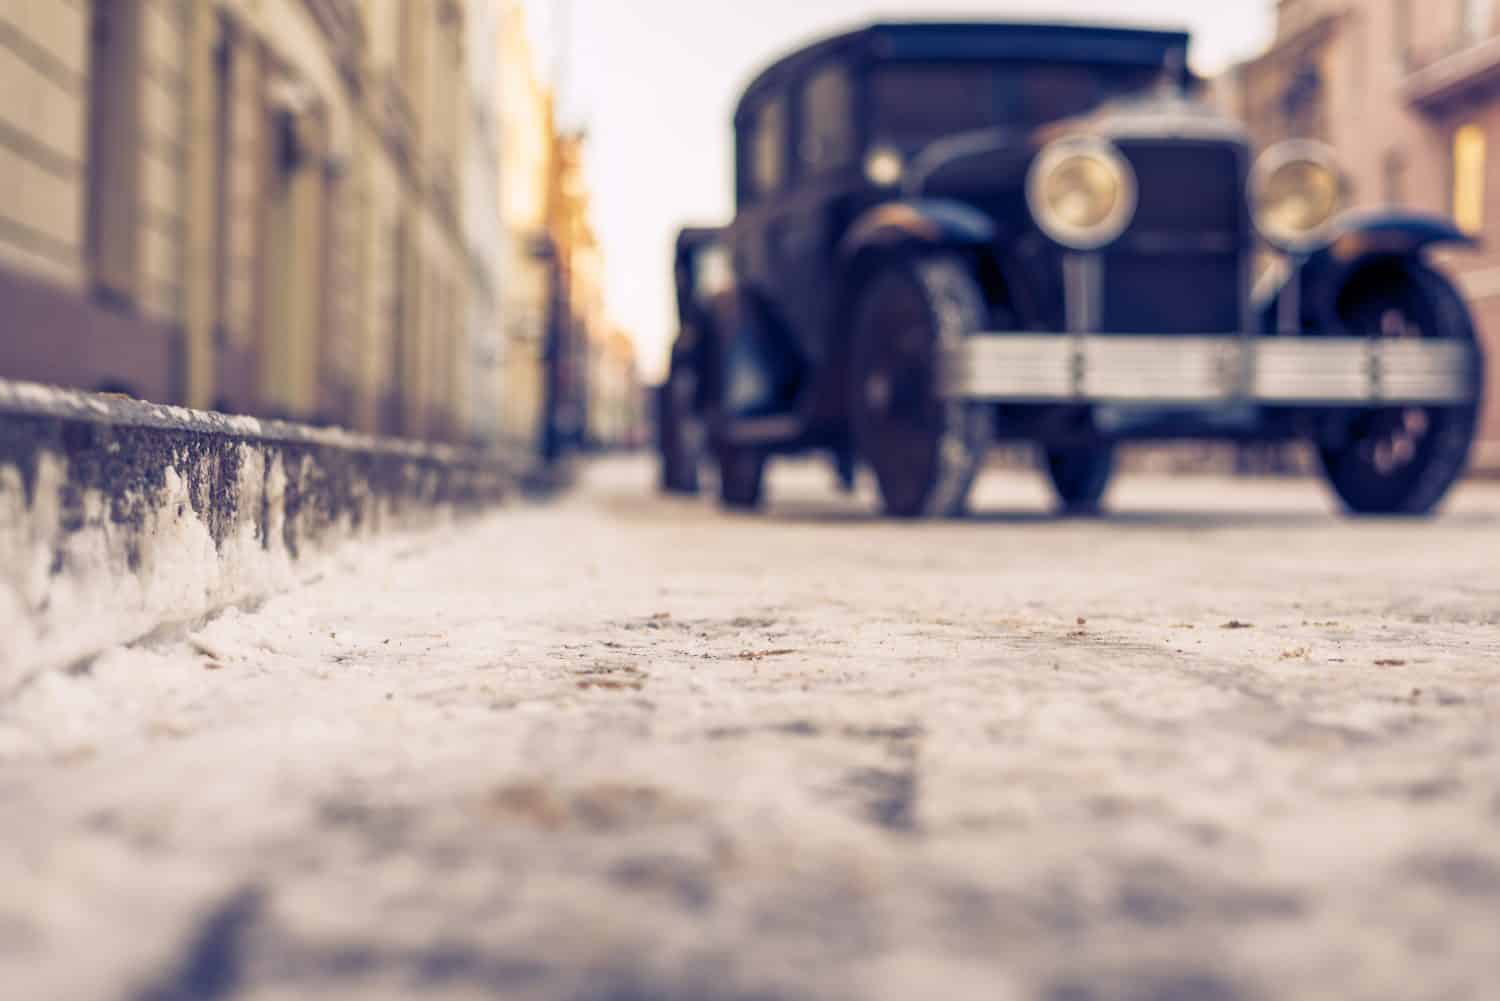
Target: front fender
1317, 278
932, 222
1401, 233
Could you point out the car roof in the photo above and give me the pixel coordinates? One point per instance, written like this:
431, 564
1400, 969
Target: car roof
977, 40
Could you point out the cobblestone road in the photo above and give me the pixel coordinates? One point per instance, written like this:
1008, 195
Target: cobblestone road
1220, 747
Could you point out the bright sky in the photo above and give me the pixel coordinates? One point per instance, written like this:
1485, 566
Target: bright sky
656, 82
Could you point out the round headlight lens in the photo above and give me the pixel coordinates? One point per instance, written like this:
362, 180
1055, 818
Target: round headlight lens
885, 166
1298, 193
1082, 193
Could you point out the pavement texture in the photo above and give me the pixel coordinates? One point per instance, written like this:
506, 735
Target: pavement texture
1221, 746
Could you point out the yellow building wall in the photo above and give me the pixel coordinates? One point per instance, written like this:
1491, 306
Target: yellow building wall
335, 290
526, 143
43, 130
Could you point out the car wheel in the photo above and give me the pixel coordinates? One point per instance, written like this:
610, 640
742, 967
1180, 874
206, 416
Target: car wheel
678, 440
1402, 460
1080, 476
925, 450
741, 476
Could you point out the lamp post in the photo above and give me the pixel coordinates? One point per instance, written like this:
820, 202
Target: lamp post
552, 442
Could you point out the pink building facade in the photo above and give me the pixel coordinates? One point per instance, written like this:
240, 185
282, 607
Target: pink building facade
1408, 93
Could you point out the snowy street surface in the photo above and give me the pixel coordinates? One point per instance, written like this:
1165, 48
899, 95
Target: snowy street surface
1223, 746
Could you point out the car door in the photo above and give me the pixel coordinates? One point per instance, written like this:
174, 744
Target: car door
823, 153
764, 353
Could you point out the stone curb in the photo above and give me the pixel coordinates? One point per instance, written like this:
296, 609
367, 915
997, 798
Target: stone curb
118, 518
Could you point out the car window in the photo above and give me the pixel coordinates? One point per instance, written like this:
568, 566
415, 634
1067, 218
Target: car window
828, 134
916, 103
768, 148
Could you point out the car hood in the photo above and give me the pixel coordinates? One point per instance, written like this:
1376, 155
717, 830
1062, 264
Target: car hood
1154, 116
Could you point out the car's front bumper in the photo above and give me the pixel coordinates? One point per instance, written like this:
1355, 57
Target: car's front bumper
1274, 371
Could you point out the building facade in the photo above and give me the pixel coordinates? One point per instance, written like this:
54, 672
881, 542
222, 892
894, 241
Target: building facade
597, 383
526, 136
616, 412
1408, 93
483, 227
248, 204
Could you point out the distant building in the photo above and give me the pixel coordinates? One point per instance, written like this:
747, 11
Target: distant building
578, 311
484, 231
526, 142
1406, 92
598, 382
249, 204
616, 402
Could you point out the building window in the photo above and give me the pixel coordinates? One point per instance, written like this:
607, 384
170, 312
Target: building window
1469, 154
828, 138
1302, 102
1478, 18
1394, 170
114, 155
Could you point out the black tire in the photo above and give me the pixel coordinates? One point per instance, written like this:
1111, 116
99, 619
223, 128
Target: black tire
1402, 461
925, 450
741, 477
677, 443
1080, 476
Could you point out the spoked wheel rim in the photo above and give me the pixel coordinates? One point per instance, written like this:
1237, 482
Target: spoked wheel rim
923, 449
1401, 460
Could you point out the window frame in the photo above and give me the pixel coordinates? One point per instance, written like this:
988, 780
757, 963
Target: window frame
750, 186
809, 118
1476, 20
770, 149
1468, 180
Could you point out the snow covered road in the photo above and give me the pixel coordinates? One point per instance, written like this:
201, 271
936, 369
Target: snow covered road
1223, 746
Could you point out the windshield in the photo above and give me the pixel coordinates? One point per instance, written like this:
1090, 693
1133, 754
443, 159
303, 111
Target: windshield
917, 103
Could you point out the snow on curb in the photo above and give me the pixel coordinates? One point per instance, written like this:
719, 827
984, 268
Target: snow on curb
119, 517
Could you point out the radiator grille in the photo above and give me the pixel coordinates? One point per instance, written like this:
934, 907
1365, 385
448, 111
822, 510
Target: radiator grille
1179, 269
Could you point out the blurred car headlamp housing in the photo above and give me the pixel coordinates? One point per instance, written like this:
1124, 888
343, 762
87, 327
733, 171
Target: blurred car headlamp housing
1082, 192
1298, 191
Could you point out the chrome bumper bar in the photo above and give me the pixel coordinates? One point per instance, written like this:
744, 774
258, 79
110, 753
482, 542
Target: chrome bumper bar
1290, 371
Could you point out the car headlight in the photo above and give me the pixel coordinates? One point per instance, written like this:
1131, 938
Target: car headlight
1082, 192
1298, 191
885, 166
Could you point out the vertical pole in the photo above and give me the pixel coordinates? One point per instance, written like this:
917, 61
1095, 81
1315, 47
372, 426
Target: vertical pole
1082, 290
553, 359
200, 262
1289, 308
114, 168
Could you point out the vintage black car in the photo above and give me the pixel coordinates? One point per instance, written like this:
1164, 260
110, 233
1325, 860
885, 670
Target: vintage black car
954, 234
